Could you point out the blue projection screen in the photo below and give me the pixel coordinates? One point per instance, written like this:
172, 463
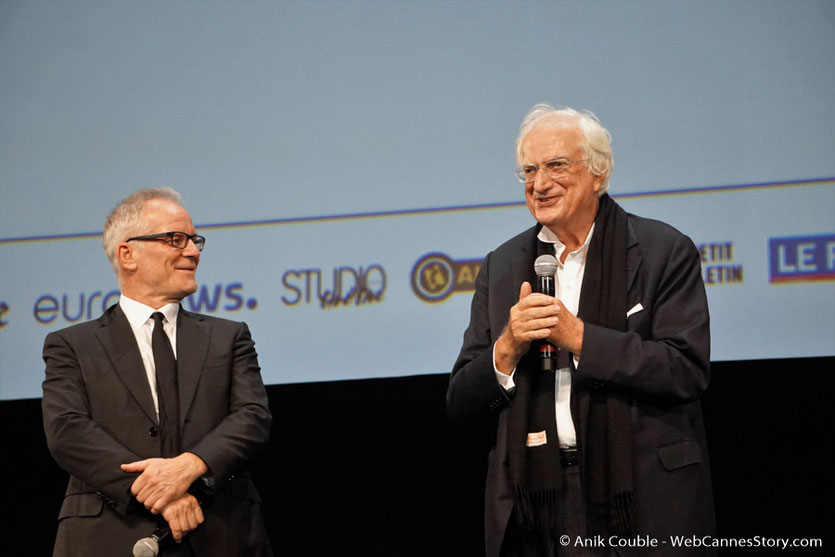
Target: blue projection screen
351, 163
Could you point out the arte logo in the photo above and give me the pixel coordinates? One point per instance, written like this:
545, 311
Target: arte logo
347, 286
436, 276
801, 258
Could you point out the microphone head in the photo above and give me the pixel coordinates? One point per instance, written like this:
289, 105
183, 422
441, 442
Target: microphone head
146, 547
545, 266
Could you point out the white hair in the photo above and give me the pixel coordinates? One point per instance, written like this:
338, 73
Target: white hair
125, 220
597, 141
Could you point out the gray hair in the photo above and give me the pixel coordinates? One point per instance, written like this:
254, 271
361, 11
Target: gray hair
597, 139
125, 220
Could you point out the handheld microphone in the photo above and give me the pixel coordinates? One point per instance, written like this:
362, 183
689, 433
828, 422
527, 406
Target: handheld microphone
149, 547
545, 267
202, 490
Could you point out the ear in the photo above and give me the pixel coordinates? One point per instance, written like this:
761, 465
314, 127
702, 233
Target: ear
126, 256
597, 183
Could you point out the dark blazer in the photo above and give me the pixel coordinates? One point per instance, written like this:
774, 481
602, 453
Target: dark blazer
98, 413
662, 361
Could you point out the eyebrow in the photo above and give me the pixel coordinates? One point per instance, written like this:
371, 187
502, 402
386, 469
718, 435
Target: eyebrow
560, 157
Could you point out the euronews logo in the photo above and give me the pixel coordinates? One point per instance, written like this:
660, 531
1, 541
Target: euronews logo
83, 306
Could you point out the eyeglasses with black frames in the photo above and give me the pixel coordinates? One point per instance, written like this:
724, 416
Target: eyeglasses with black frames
177, 240
554, 169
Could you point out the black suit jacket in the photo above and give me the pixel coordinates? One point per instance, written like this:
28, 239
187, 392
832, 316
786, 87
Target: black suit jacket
662, 361
98, 413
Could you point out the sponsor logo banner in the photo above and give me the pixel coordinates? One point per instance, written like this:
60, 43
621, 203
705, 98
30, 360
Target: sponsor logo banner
436, 276
801, 258
344, 287
719, 266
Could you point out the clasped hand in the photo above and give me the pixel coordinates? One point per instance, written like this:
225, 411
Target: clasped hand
536, 316
161, 486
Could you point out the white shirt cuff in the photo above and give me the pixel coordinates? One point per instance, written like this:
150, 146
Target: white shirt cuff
506, 381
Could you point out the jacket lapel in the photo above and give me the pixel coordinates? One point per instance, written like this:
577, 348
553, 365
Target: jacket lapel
633, 258
117, 339
192, 350
523, 262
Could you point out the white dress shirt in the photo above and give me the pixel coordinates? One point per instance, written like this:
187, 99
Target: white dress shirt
142, 324
568, 281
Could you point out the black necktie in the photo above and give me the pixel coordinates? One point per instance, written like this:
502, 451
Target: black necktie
167, 392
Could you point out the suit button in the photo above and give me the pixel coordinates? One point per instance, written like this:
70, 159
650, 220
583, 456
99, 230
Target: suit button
153, 431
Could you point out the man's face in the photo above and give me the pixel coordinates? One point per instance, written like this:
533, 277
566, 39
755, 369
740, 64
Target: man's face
566, 204
164, 273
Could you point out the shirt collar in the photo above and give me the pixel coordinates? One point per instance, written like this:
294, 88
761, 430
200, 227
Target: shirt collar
138, 313
547, 235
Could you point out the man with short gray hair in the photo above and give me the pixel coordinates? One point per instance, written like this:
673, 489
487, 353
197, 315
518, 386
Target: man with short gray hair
155, 411
591, 389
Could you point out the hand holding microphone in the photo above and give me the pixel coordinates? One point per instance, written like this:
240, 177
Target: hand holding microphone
567, 332
182, 516
531, 319
545, 267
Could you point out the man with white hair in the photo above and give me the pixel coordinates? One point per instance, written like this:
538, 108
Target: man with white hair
155, 411
602, 449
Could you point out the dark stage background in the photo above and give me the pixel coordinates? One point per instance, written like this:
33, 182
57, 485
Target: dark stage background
374, 468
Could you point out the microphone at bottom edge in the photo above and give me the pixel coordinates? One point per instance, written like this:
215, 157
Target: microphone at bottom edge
149, 547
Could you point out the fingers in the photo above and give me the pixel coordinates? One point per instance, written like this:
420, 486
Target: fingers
538, 329
198, 517
160, 482
529, 299
183, 515
532, 313
530, 319
154, 500
137, 466
142, 480
184, 521
533, 316
568, 333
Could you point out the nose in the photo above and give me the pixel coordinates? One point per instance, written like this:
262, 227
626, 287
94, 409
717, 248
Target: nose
191, 250
541, 180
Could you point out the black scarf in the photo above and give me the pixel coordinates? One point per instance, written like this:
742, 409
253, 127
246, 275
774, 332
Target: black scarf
602, 416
